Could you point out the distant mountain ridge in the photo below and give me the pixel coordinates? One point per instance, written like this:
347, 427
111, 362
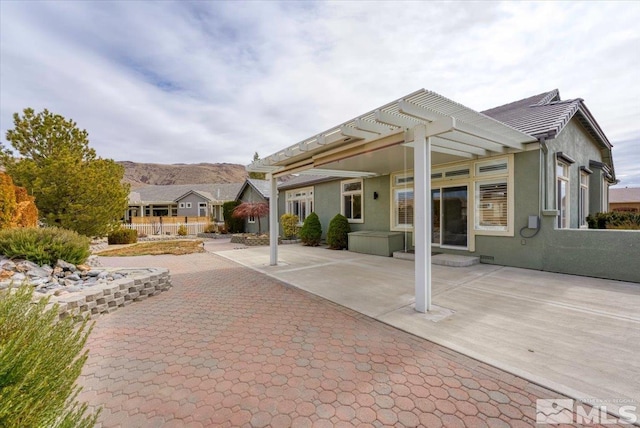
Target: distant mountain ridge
144, 174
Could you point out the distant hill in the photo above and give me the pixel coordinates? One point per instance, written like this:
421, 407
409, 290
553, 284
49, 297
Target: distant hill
143, 174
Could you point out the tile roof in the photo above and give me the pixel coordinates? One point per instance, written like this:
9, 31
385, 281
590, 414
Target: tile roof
626, 194
169, 193
540, 115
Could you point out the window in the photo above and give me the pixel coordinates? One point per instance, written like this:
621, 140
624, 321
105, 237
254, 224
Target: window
562, 194
188, 204
492, 205
181, 204
252, 219
583, 203
402, 191
300, 202
352, 200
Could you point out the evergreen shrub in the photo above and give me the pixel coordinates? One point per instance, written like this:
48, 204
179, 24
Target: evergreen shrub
122, 236
44, 245
311, 231
338, 233
40, 359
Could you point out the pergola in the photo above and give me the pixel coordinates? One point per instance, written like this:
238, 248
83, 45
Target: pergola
438, 130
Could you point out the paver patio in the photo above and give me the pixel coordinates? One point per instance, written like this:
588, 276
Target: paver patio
577, 335
229, 346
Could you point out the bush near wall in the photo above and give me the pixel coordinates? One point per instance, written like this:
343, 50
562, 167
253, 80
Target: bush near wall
290, 226
338, 233
44, 245
232, 224
40, 359
122, 236
614, 220
311, 230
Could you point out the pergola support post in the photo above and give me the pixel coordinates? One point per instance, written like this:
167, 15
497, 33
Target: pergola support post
273, 220
422, 217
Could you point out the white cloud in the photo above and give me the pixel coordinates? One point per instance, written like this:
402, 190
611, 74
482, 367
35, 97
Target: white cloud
215, 81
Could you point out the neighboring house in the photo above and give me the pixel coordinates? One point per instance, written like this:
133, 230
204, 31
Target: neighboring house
254, 191
512, 185
184, 200
196, 203
626, 199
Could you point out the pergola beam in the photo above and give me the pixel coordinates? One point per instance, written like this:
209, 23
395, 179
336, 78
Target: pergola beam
418, 112
350, 131
395, 120
376, 127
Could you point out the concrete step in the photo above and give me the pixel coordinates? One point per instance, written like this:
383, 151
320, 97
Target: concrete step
452, 260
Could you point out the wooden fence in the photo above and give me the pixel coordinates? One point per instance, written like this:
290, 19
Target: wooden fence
166, 228
169, 220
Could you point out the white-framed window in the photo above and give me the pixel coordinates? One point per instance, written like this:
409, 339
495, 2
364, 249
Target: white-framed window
300, 202
402, 203
583, 202
252, 219
351, 204
188, 205
492, 205
562, 194
181, 204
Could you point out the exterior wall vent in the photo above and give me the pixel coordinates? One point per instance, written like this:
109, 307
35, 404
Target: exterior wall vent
487, 169
457, 173
486, 259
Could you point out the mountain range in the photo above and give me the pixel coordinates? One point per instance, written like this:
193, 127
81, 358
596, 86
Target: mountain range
144, 174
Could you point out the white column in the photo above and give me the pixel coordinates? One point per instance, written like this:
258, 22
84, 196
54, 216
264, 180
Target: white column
422, 217
273, 221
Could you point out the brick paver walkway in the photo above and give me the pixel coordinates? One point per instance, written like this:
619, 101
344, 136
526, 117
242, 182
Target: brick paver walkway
230, 347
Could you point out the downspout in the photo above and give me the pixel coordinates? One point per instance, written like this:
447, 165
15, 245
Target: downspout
544, 176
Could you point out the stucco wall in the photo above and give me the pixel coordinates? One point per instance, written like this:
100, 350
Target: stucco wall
575, 142
601, 253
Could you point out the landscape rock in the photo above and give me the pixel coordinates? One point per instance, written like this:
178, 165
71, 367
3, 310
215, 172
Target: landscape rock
66, 266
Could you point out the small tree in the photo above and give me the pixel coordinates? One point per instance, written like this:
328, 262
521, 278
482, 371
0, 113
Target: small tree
311, 231
251, 209
257, 175
290, 226
40, 360
73, 188
338, 233
232, 224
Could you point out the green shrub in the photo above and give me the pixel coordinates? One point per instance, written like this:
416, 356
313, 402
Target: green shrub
290, 226
614, 220
338, 233
44, 245
182, 230
311, 230
122, 236
232, 224
40, 360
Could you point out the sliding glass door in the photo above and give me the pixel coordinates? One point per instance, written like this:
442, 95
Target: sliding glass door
449, 216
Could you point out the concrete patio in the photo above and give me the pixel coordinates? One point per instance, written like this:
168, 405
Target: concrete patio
577, 335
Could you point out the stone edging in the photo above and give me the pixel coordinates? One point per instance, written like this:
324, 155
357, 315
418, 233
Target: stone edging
106, 298
213, 235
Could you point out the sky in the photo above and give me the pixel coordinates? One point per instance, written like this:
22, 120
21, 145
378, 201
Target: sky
189, 82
